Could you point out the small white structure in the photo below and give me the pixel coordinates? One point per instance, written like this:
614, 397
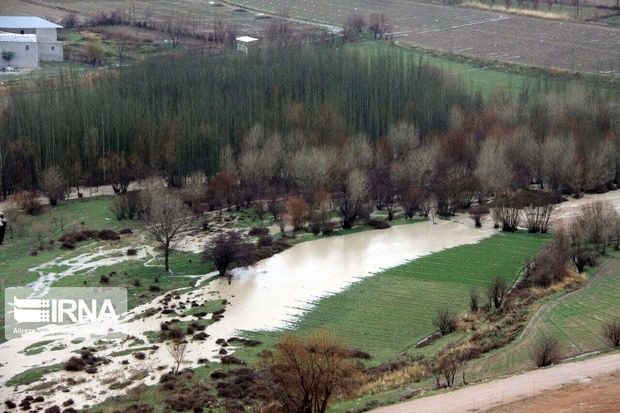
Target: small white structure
29, 40
244, 43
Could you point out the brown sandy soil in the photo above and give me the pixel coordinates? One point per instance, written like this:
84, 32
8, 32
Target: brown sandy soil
600, 395
482, 397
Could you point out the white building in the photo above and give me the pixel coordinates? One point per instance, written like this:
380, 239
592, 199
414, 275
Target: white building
30, 39
244, 43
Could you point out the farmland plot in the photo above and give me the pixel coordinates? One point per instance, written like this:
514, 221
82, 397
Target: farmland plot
392, 311
478, 33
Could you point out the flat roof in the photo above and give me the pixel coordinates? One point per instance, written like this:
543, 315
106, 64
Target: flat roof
21, 38
246, 39
26, 22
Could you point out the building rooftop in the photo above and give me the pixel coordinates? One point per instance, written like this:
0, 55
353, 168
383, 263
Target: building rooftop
12, 37
246, 39
26, 22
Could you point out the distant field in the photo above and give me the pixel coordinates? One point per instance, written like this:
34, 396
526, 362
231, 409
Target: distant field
471, 32
392, 311
478, 77
575, 319
201, 13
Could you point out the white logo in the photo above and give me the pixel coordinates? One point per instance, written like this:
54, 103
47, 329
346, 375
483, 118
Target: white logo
69, 308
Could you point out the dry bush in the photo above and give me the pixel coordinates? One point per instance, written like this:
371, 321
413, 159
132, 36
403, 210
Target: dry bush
477, 214
496, 292
297, 210
549, 265
395, 379
53, 184
444, 364
611, 331
29, 203
595, 223
507, 210
378, 223
445, 321
177, 351
537, 214
546, 351
306, 373
474, 301
227, 249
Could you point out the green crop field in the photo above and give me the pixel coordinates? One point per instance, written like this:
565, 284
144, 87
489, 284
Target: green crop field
575, 319
392, 311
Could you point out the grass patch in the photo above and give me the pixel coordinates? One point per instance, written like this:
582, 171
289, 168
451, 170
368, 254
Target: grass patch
32, 375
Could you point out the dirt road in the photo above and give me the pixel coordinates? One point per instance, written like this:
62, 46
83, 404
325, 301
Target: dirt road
488, 395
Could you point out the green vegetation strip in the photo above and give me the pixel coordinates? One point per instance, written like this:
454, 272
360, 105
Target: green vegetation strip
574, 319
393, 310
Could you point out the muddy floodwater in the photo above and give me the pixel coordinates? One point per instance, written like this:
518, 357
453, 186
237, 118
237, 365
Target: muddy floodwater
267, 295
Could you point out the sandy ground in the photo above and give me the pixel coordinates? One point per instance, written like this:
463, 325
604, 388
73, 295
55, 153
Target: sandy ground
485, 396
599, 395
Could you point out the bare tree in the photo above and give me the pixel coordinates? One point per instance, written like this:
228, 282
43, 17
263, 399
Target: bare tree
546, 351
379, 25
507, 210
494, 169
477, 214
177, 351
537, 213
351, 201
474, 301
164, 216
228, 249
558, 158
355, 23
53, 184
611, 332
403, 138
279, 31
600, 165
445, 321
496, 292
307, 373
595, 222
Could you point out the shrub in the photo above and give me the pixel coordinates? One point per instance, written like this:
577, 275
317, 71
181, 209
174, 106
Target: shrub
139, 355
549, 265
137, 283
477, 214
124, 231
108, 234
231, 360
258, 231
176, 334
445, 321
104, 279
75, 364
474, 301
67, 245
611, 331
132, 251
497, 291
265, 241
546, 351
29, 203
378, 223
